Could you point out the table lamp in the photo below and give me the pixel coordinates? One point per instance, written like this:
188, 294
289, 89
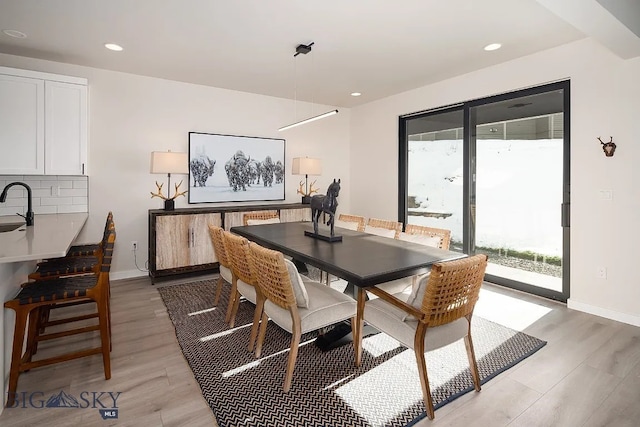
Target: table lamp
306, 166
169, 162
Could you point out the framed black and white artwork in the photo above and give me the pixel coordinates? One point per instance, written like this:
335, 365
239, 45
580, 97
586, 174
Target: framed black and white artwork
231, 168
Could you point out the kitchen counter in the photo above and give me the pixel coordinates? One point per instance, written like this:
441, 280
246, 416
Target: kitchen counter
50, 236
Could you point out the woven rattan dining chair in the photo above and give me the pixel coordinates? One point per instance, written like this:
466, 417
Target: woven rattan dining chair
442, 316
243, 281
260, 217
443, 234
377, 226
428, 236
277, 301
44, 294
357, 221
217, 239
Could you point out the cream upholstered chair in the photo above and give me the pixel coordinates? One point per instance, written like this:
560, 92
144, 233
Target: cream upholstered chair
430, 236
217, 239
260, 217
383, 227
422, 235
438, 314
296, 306
243, 280
351, 222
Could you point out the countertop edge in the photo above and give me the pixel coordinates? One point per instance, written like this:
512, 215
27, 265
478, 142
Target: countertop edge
67, 228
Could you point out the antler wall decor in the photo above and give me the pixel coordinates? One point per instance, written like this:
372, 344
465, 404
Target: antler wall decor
608, 147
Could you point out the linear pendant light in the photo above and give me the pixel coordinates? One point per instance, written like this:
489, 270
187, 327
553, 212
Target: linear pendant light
309, 120
304, 49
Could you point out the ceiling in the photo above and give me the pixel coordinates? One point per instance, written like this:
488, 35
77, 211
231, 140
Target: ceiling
376, 47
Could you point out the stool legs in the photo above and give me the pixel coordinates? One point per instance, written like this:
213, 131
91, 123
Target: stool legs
105, 333
16, 354
30, 325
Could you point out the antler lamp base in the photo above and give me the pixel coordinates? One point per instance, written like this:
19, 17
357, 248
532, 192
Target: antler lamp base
169, 204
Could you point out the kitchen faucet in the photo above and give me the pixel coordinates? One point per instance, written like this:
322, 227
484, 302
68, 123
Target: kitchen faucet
29, 216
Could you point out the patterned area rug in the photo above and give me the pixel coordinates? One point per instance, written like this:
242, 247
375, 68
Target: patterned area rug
327, 389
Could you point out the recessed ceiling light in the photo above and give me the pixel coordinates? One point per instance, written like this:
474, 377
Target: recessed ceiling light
493, 46
15, 34
113, 46
356, 94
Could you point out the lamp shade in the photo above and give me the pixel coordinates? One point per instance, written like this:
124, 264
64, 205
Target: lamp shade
169, 162
306, 166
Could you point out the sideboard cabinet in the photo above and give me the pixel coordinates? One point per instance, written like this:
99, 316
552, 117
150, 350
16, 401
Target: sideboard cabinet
179, 241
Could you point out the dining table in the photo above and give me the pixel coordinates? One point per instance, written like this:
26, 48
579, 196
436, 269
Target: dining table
361, 259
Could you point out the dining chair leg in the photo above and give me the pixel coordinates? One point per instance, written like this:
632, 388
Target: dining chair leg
422, 369
473, 364
232, 299
261, 334
256, 321
357, 330
218, 290
234, 310
293, 355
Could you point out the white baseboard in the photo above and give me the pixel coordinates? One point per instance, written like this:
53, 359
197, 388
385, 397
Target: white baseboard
128, 274
603, 312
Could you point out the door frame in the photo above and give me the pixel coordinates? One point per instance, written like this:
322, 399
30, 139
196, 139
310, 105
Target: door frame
469, 150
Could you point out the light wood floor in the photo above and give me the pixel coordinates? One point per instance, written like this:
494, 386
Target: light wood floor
587, 375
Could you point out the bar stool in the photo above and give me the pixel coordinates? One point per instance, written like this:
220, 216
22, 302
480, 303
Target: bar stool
42, 295
91, 249
76, 262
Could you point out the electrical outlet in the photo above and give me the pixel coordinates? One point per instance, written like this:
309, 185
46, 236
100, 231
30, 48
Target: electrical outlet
602, 272
134, 245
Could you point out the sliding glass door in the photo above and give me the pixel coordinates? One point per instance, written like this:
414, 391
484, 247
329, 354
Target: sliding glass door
495, 171
434, 172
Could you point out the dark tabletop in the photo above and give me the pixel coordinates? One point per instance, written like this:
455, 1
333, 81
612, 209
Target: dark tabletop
361, 259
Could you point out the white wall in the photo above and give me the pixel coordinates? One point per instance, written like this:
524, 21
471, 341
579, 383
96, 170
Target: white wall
130, 116
604, 102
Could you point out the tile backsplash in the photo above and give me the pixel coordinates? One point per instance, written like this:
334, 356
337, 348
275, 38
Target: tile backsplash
50, 194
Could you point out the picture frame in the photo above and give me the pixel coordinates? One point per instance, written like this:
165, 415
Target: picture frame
233, 168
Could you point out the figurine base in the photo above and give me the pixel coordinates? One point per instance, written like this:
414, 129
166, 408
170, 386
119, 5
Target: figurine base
306, 200
326, 238
169, 205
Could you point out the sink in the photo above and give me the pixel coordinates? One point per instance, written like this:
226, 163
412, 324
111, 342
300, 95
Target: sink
10, 226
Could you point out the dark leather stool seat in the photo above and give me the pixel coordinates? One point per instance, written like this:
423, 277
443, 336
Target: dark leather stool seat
90, 249
65, 266
80, 259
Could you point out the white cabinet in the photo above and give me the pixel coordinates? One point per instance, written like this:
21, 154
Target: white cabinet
43, 123
65, 131
21, 125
